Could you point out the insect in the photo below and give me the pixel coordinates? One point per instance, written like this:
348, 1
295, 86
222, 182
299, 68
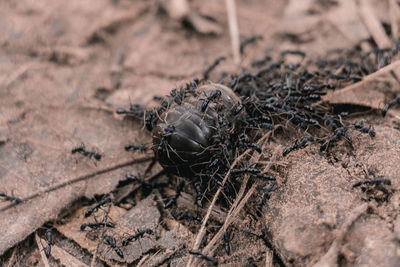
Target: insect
111, 242
245, 170
186, 215
251, 262
141, 148
215, 95
264, 199
299, 145
390, 105
177, 194
97, 206
49, 236
16, 200
207, 72
376, 181
227, 239
183, 136
338, 133
97, 225
248, 41
81, 149
207, 258
136, 236
363, 129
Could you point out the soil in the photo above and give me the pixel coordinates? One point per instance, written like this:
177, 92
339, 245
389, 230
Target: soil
66, 67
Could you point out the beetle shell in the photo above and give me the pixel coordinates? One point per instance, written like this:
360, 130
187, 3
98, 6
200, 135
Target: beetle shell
184, 136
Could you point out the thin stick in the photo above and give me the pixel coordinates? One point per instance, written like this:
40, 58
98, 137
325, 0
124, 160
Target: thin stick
81, 178
393, 66
233, 29
41, 251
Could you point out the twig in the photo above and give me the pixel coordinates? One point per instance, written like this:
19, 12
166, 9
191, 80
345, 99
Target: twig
233, 29
41, 251
373, 25
81, 178
394, 14
393, 66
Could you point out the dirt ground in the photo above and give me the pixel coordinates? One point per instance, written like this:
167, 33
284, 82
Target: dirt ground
67, 66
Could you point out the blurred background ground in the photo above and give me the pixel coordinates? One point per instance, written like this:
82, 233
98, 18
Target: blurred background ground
66, 66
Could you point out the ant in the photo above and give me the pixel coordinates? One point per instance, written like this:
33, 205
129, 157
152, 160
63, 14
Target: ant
390, 105
339, 132
149, 121
227, 239
207, 258
267, 177
178, 96
97, 206
136, 236
96, 225
248, 41
254, 146
199, 193
81, 149
207, 72
264, 199
16, 200
236, 110
245, 170
216, 94
299, 145
141, 148
111, 242
376, 181
363, 129
177, 194
49, 236
188, 216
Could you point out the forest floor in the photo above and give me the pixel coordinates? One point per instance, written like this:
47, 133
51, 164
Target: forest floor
67, 66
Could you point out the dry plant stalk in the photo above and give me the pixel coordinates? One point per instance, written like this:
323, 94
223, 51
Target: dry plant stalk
233, 29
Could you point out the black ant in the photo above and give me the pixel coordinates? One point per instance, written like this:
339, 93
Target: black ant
135, 110
390, 105
254, 146
376, 181
266, 177
363, 129
207, 258
245, 170
97, 206
199, 193
136, 236
16, 200
216, 94
188, 216
248, 41
264, 199
212, 67
111, 242
227, 239
299, 145
141, 148
81, 149
177, 194
236, 110
339, 132
96, 225
49, 236
178, 96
